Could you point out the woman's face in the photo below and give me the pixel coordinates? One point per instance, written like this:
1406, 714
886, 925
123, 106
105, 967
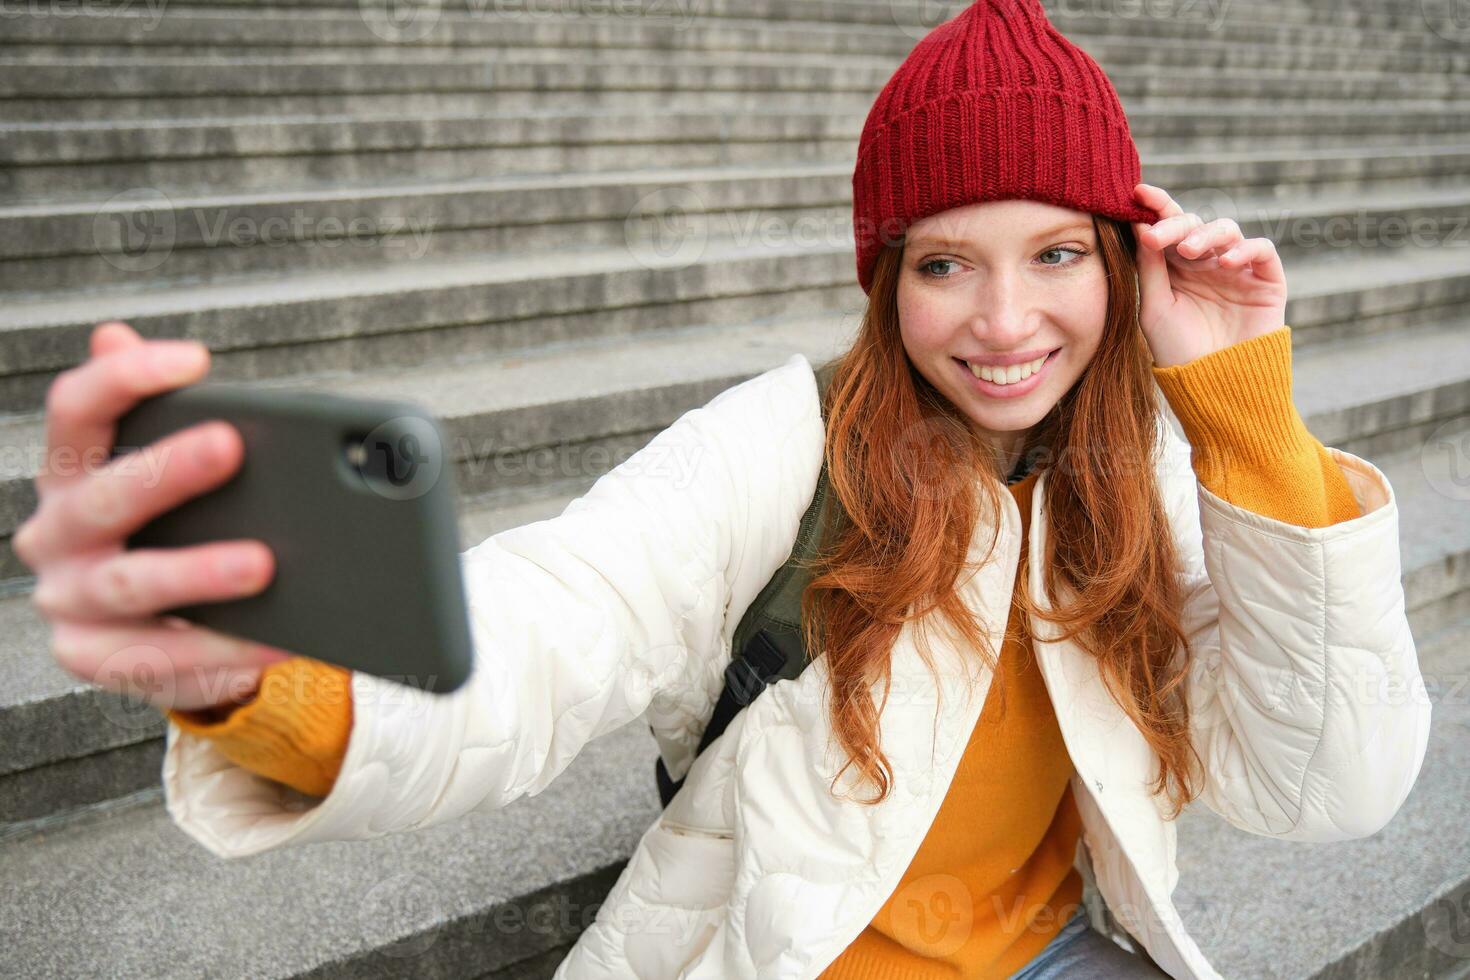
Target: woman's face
1002, 285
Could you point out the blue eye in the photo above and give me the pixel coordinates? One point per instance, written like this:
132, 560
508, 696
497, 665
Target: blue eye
924, 268
1075, 251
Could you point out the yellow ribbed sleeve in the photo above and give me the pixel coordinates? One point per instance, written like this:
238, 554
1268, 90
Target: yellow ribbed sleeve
1250, 444
295, 730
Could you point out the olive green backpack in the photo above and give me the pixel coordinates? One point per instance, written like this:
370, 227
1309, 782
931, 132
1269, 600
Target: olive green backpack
768, 643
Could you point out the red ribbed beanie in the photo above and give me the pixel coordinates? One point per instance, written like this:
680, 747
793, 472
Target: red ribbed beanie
991, 105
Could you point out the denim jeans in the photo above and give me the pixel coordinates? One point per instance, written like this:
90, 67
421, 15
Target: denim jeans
1081, 951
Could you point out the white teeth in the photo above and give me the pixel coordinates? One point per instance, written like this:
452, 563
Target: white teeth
1007, 375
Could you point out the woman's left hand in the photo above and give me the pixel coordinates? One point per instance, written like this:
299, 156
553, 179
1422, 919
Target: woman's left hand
1202, 286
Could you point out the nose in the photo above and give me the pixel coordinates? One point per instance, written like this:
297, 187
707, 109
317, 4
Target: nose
1005, 316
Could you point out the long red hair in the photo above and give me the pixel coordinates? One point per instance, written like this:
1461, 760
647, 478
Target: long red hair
902, 462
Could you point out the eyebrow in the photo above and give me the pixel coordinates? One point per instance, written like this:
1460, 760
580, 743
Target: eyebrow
954, 245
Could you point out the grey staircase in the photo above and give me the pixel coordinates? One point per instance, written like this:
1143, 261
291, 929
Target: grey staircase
471, 211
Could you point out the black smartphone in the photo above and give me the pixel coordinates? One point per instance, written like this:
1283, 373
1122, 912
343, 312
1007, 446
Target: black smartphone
356, 499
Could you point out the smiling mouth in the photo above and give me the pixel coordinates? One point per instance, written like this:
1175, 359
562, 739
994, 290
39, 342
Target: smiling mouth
1010, 375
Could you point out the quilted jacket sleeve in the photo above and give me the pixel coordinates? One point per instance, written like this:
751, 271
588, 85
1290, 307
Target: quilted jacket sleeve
581, 623
1307, 704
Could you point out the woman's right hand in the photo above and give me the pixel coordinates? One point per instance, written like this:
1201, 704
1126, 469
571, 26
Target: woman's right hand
104, 601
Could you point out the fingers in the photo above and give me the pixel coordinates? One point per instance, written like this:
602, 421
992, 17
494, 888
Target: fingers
1210, 239
1260, 255
1196, 241
128, 492
1171, 231
113, 335
1158, 199
1177, 226
144, 582
203, 689
92, 651
1155, 289
169, 666
84, 403
1190, 235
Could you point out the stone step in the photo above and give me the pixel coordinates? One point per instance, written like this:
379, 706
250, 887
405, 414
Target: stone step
469, 898
480, 896
1373, 292
117, 89
1400, 15
1350, 11
88, 244
1113, 52
42, 160
890, 29
213, 238
473, 306
1432, 488
1380, 395
530, 432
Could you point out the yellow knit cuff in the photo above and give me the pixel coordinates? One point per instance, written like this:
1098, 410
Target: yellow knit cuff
296, 729
1235, 405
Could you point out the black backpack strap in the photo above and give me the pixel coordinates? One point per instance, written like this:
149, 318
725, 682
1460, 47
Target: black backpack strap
767, 643
759, 665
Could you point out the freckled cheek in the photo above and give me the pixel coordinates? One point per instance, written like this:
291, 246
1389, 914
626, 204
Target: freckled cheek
924, 330
1095, 307
1083, 316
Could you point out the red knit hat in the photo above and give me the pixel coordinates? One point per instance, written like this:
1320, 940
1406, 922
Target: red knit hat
991, 105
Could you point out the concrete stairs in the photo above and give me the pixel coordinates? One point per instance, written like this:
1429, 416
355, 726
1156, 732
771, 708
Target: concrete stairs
560, 232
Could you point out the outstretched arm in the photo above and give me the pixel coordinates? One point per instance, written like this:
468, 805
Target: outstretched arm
612, 611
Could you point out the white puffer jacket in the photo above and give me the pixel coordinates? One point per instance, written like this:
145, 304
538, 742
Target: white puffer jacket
622, 609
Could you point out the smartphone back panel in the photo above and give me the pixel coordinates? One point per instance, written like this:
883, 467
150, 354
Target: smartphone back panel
356, 499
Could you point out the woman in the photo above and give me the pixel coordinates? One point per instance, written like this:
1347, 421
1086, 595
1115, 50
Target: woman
1043, 622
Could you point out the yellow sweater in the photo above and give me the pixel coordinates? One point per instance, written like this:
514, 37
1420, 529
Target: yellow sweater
992, 882
993, 879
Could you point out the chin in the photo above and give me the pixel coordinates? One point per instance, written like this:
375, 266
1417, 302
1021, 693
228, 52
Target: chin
1025, 413
1009, 423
